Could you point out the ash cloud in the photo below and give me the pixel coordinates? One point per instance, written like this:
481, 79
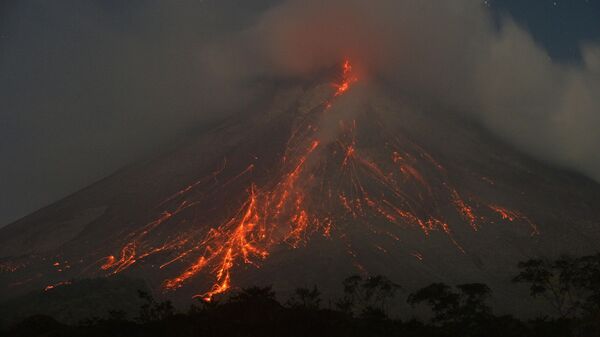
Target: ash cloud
456, 55
88, 87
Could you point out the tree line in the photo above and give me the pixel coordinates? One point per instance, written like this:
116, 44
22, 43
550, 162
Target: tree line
569, 285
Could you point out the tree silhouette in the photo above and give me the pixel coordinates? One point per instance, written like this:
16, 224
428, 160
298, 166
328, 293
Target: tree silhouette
151, 310
567, 283
440, 297
473, 299
369, 297
305, 298
587, 279
254, 295
467, 306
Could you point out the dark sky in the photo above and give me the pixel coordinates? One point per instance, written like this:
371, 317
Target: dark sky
59, 128
560, 25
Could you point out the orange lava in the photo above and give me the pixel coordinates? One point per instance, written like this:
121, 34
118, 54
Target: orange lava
246, 237
319, 188
56, 285
512, 216
348, 78
465, 210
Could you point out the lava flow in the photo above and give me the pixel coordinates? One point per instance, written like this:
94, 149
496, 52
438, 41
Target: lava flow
376, 180
348, 78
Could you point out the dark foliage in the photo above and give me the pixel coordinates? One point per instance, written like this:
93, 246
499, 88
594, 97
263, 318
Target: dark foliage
306, 299
151, 310
363, 310
369, 298
570, 285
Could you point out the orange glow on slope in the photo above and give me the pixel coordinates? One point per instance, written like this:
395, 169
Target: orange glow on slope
348, 78
56, 285
465, 210
319, 188
512, 216
247, 237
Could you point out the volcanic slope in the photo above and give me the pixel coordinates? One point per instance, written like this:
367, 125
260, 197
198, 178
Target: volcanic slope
327, 180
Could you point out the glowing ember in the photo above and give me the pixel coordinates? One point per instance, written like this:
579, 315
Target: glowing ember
9, 267
465, 210
512, 216
56, 285
348, 78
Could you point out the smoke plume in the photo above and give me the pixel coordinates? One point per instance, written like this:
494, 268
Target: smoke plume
456, 55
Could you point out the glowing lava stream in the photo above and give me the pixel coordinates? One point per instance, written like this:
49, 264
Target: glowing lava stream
247, 235
348, 78
362, 189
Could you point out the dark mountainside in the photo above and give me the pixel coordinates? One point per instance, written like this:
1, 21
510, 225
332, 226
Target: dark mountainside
323, 182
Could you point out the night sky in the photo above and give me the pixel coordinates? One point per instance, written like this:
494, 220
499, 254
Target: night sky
560, 25
46, 154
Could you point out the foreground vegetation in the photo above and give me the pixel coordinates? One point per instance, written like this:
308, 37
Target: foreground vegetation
570, 285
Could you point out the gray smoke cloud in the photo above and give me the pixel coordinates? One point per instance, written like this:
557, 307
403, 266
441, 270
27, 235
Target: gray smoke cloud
455, 54
88, 87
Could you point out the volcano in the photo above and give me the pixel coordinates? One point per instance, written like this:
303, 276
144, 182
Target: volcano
327, 179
